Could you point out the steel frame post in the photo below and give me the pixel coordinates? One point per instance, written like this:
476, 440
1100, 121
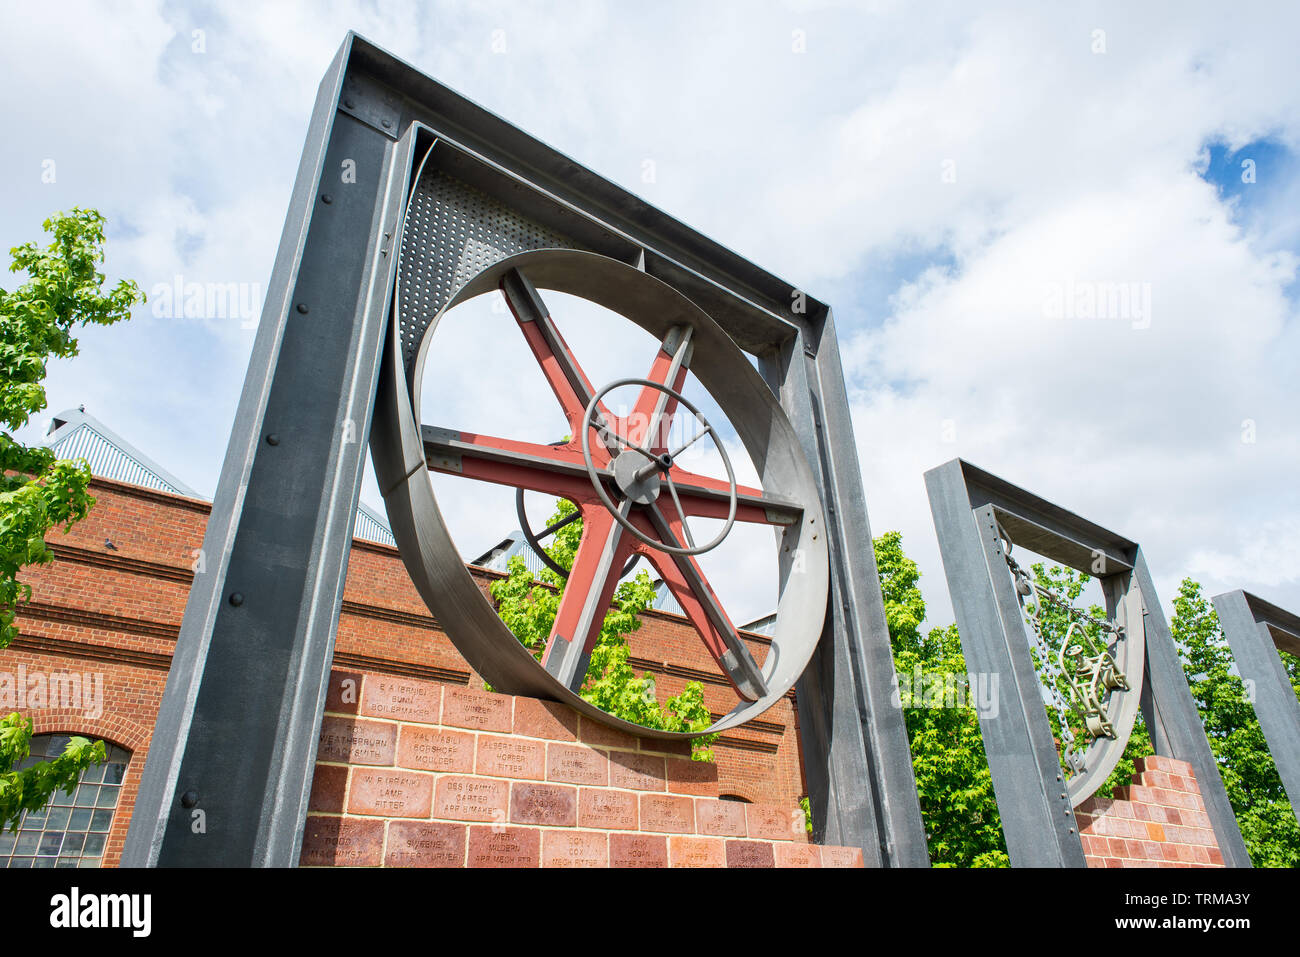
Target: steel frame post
230, 765
1256, 631
968, 505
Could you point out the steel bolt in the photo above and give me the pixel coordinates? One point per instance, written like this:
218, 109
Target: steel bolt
302, 308
385, 123
189, 798
326, 198
272, 439
348, 104
236, 598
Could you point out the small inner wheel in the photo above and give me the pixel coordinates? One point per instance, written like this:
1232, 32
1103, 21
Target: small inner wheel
641, 489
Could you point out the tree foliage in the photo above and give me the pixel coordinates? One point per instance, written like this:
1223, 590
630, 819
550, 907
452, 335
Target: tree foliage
64, 290
528, 608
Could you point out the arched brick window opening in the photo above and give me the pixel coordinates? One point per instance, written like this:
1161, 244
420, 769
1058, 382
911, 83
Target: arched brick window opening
72, 830
734, 797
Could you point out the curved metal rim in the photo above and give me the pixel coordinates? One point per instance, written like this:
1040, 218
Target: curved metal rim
594, 473
447, 586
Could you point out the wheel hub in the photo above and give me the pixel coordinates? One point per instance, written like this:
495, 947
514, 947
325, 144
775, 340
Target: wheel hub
629, 476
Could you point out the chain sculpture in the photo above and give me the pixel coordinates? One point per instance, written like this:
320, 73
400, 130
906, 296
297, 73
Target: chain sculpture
1088, 662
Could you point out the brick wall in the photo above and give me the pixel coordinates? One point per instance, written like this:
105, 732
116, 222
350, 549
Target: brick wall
116, 611
1157, 821
417, 774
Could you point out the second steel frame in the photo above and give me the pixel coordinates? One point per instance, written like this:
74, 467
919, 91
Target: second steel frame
970, 506
1256, 631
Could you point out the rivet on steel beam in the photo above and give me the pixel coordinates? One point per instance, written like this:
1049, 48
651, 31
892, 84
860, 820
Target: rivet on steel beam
385, 123
272, 439
302, 308
348, 103
326, 198
236, 598
189, 798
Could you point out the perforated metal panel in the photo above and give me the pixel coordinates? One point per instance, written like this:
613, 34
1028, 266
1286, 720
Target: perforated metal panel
453, 232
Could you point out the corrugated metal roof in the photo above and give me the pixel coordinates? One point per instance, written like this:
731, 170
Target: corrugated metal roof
76, 434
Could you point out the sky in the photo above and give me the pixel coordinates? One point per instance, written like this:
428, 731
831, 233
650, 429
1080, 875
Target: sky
1059, 242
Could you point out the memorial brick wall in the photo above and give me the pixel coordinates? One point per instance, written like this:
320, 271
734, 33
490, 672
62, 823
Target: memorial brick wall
413, 773
1157, 821
109, 608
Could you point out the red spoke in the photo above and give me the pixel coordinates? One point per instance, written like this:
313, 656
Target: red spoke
551, 469
753, 505
638, 424
603, 550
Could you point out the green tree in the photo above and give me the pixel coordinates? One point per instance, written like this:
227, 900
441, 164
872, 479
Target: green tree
528, 608
64, 291
1259, 800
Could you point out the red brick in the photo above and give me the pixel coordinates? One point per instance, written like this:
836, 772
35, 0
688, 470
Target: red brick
511, 757
696, 852
551, 804
329, 786
402, 699
667, 812
797, 855
750, 854
390, 793
641, 772
351, 741
500, 846
480, 710
616, 810
471, 799
576, 764
638, 850
692, 777
575, 849
723, 818
841, 856
342, 842
679, 748
344, 692
545, 719
435, 749
591, 731
772, 823
425, 844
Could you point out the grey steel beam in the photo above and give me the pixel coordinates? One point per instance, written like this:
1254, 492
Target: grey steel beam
230, 766
1037, 818
1256, 630
1175, 725
857, 759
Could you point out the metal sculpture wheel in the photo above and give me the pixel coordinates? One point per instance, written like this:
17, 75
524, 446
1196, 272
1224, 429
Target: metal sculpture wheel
1096, 671
632, 494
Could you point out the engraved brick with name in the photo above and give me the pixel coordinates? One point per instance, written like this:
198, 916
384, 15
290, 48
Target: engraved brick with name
575, 764
511, 757
750, 854
575, 849
471, 799
772, 822
504, 846
797, 855
435, 749
616, 810
402, 699
348, 741
425, 844
390, 793
479, 710
642, 772
696, 852
342, 842
553, 804
638, 850
667, 812
723, 818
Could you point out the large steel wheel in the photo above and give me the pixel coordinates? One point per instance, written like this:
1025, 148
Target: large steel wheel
634, 497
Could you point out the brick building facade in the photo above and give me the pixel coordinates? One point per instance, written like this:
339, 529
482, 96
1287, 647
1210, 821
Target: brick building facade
109, 608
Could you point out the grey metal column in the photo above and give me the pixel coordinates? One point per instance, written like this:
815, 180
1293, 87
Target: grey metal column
230, 766
1175, 725
1037, 820
857, 759
1256, 630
